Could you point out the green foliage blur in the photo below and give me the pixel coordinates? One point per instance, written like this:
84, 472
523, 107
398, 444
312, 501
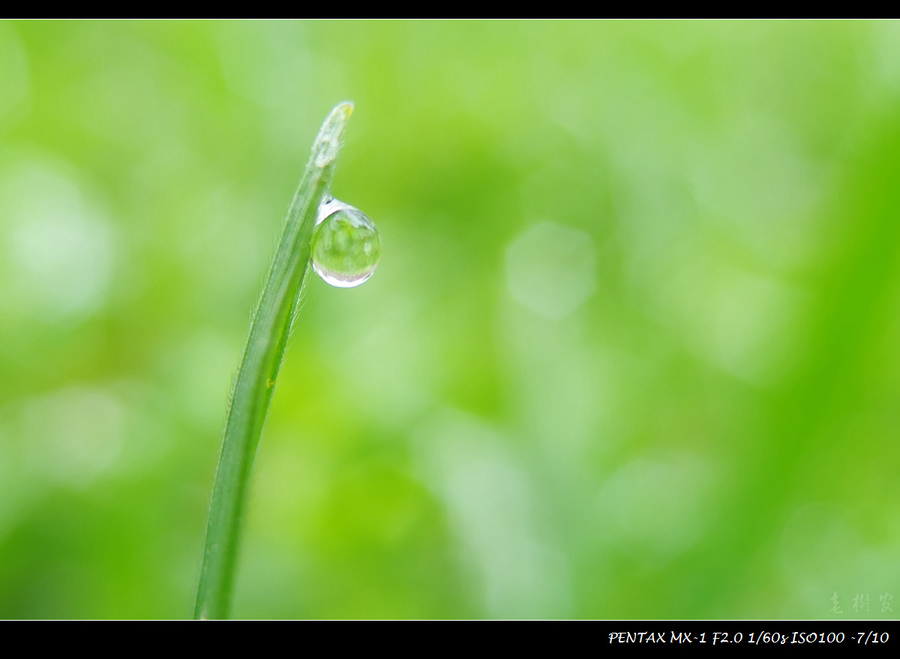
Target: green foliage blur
632, 349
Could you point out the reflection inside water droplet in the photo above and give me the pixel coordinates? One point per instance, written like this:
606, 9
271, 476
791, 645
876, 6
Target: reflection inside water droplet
345, 244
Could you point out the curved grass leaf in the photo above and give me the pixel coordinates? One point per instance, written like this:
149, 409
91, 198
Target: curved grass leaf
263, 353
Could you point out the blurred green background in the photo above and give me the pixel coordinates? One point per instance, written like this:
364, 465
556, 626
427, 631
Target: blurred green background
632, 350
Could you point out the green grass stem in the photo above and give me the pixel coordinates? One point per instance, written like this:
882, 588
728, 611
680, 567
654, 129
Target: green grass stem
261, 361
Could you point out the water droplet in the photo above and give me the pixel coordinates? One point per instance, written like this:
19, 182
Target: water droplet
345, 244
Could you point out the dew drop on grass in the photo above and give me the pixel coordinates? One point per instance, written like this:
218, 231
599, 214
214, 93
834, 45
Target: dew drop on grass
345, 244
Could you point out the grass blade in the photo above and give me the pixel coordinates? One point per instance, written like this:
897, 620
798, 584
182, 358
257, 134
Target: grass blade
259, 369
